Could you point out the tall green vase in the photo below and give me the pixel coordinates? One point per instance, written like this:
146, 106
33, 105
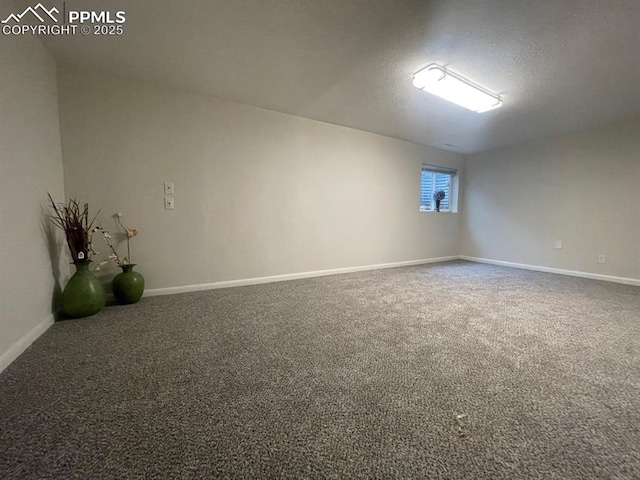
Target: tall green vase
128, 286
84, 295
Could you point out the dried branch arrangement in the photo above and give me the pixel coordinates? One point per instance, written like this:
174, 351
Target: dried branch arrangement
74, 221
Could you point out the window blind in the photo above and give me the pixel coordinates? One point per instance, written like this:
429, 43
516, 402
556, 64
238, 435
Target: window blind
443, 182
438, 169
426, 190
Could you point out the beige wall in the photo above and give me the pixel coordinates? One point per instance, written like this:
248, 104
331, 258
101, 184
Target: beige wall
257, 193
583, 189
31, 167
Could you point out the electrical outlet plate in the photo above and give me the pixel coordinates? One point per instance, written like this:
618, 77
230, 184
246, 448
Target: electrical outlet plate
557, 244
168, 188
169, 203
601, 258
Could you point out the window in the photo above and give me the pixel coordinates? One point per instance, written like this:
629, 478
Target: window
435, 179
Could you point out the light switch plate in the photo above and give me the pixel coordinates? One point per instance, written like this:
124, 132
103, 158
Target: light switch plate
168, 188
169, 203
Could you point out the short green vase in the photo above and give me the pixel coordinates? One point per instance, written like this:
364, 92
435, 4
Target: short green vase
128, 286
84, 295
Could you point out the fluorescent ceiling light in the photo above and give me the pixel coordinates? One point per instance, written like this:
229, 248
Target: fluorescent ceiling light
452, 87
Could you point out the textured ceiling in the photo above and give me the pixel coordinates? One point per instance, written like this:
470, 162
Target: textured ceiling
560, 65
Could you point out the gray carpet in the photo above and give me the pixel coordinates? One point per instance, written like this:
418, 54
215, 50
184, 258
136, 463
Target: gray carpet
454, 370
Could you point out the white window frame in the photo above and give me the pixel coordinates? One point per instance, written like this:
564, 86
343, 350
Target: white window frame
436, 170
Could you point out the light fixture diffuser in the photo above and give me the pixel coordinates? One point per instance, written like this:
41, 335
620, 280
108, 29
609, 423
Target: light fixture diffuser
456, 89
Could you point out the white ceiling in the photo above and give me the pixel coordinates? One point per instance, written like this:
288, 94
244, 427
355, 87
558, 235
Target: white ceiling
560, 65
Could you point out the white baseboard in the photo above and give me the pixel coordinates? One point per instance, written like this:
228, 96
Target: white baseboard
291, 276
572, 273
25, 342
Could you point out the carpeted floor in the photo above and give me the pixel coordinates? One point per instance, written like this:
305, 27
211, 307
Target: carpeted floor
451, 371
